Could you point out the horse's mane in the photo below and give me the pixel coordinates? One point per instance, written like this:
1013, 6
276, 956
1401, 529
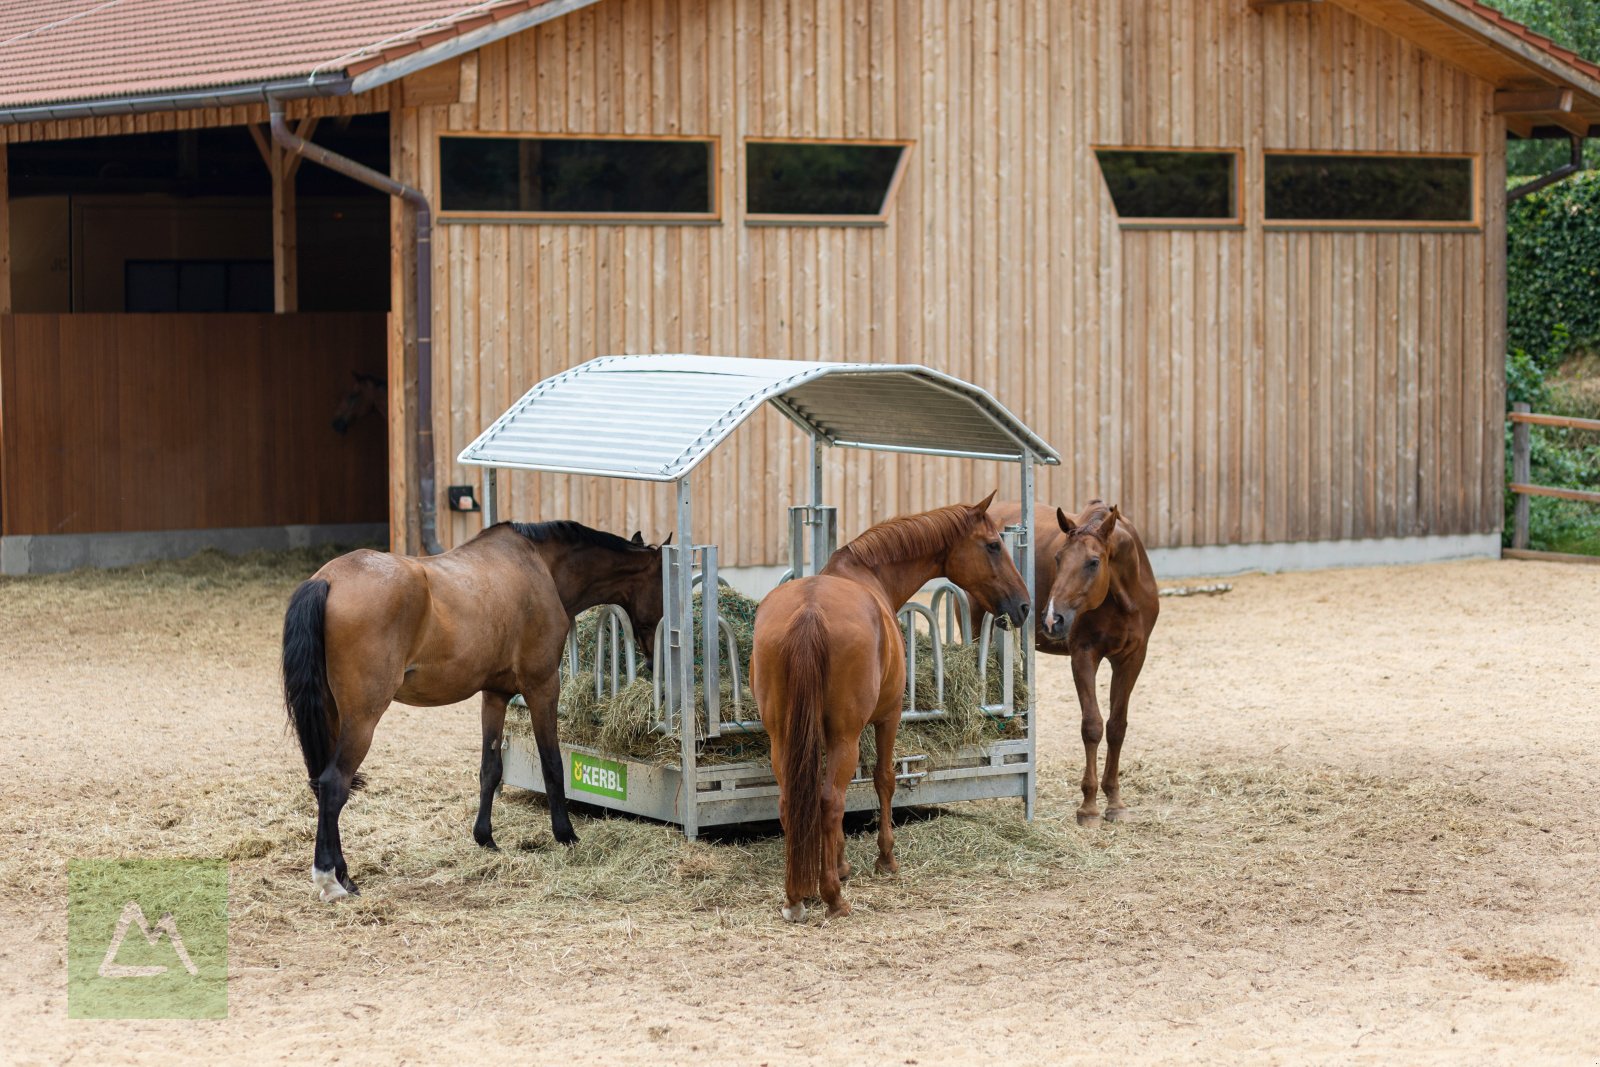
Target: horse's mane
567, 532
1093, 516
911, 536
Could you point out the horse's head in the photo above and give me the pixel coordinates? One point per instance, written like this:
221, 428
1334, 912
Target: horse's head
641, 594
368, 395
1083, 567
979, 563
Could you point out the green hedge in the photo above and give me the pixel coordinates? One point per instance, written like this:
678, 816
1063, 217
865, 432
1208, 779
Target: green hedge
1553, 312
1553, 272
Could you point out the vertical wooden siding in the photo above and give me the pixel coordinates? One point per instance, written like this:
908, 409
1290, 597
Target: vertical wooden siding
1222, 386
173, 422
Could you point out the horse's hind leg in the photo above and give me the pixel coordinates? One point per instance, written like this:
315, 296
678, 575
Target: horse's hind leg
490, 769
1123, 677
329, 871
841, 767
883, 780
1085, 665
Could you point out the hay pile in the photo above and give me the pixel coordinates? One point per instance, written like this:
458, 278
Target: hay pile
624, 724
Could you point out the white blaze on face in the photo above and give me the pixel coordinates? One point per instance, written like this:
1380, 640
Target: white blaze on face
1050, 611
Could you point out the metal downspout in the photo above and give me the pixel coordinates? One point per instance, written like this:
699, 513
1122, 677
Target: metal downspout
424, 245
1561, 173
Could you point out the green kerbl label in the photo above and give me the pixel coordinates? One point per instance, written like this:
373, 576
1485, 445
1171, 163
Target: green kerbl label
592, 774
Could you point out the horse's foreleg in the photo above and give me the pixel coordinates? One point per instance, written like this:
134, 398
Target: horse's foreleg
329, 872
1085, 665
490, 769
541, 697
841, 767
883, 780
1123, 677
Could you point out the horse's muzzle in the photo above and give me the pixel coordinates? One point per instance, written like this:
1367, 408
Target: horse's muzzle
1013, 613
1056, 624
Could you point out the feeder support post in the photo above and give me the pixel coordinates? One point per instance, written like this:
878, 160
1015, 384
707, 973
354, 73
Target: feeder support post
491, 497
1025, 564
682, 656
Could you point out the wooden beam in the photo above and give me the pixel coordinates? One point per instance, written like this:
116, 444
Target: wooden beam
303, 130
285, 250
1531, 101
1521, 126
1576, 125
1262, 5
1548, 557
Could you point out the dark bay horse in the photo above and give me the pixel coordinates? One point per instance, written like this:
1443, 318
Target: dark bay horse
1101, 603
829, 659
489, 616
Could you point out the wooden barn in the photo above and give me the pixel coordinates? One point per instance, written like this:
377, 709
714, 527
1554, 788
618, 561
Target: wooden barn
1240, 261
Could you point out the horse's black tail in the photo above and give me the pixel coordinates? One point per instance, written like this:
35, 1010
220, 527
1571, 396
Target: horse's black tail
305, 677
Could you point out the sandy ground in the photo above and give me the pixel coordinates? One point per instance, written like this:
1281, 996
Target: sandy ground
1367, 809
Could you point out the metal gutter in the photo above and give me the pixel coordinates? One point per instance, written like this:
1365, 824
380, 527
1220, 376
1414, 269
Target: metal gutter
1561, 173
224, 96
424, 256
463, 43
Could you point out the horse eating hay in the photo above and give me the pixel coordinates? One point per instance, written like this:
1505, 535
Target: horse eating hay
829, 660
489, 616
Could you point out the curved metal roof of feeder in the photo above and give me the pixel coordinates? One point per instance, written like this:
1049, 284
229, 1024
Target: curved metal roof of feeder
655, 418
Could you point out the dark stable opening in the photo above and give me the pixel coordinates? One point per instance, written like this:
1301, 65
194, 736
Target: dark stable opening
1170, 185
575, 177
819, 179
1341, 188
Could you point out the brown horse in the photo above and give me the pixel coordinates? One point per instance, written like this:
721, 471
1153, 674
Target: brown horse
490, 616
829, 659
370, 394
1101, 602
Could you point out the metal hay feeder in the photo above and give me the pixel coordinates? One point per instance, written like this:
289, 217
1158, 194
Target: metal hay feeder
655, 418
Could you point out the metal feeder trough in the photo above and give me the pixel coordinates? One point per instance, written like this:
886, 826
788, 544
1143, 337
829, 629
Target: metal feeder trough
655, 418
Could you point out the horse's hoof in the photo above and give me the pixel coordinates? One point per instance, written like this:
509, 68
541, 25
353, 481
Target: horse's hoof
883, 866
565, 836
1118, 815
1089, 819
328, 886
839, 910
486, 841
796, 912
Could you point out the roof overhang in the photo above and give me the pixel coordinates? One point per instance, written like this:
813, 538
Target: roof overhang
1473, 37
656, 418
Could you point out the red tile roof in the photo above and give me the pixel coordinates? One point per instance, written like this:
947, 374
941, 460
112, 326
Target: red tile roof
51, 50
1538, 40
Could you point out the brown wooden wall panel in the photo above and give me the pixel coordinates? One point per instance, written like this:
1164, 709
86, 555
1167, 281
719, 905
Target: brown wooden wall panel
1222, 386
163, 422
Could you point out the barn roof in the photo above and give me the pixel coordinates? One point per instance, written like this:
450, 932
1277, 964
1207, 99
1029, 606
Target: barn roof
76, 58
53, 53
654, 418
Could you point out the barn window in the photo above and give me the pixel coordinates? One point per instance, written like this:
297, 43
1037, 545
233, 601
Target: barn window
575, 178
1172, 187
1370, 190
841, 182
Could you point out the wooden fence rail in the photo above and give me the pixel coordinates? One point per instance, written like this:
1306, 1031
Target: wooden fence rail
1522, 478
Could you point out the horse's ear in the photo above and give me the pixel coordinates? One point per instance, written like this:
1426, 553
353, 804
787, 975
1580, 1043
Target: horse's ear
1108, 525
1063, 522
667, 542
638, 538
982, 506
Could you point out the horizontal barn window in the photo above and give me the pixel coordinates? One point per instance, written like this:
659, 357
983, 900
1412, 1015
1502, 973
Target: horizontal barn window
596, 178
1348, 189
1167, 187
840, 181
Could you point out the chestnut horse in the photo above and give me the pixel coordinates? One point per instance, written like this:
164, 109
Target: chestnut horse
829, 659
489, 616
1101, 602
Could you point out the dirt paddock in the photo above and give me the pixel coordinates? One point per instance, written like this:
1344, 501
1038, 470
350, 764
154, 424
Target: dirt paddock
1367, 805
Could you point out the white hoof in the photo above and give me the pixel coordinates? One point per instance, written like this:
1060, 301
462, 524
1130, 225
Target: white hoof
796, 914
328, 887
